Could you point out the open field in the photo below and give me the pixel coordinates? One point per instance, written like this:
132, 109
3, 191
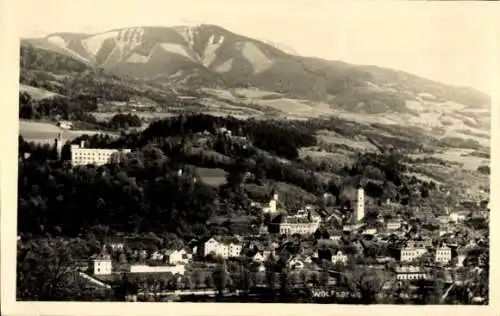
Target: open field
212, 176
36, 93
330, 137
458, 156
44, 132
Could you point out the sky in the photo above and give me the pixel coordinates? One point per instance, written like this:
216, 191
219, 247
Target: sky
444, 41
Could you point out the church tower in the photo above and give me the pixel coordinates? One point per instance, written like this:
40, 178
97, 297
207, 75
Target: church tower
359, 212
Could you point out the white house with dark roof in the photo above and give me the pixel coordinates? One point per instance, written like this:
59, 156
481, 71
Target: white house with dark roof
222, 246
443, 254
409, 254
339, 257
410, 273
178, 256
101, 264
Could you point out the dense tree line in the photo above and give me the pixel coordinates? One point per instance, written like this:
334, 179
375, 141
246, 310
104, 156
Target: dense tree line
39, 59
74, 108
279, 137
69, 77
174, 135
139, 194
133, 194
124, 121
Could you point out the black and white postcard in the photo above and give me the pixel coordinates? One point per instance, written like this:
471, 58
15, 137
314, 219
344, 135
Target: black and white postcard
248, 157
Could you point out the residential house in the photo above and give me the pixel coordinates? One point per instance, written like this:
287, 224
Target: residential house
443, 254
157, 255
225, 247
65, 124
458, 216
370, 231
101, 264
409, 254
393, 225
339, 257
115, 243
410, 273
180, 256
335, 237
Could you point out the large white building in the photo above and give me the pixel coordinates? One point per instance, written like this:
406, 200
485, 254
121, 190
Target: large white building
409, 254
80, 155
359, 212
299, 225
222, 247
101, 264
443, 254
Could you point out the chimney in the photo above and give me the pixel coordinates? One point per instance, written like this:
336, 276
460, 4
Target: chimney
82, 144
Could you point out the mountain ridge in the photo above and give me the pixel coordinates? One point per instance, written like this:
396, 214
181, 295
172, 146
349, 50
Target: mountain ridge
153, 52
206, 56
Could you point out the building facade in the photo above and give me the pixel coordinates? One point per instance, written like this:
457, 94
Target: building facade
97, 156
339, 258
224, 249
409, 254
101, 264
393, 225
410, 273
298, 225
443, 255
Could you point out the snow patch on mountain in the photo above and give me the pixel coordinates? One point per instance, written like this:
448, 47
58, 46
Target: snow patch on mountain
209, 55
94, 43
138, 59
225, 66
177, 49
62, 44
188, 33
256, 57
